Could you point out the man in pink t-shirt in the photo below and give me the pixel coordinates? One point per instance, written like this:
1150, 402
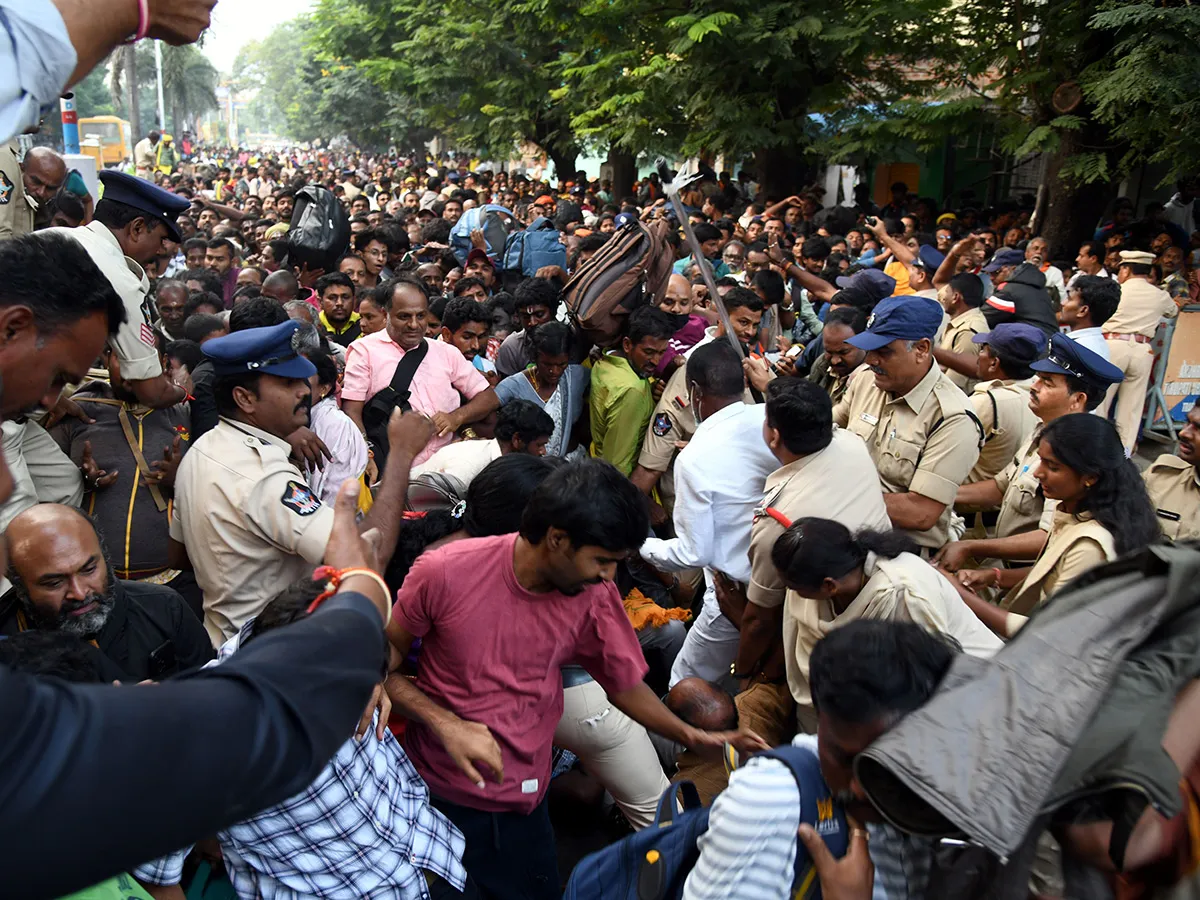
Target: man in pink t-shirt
444, 377
498, 618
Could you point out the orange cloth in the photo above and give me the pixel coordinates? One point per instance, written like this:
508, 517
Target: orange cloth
643, 611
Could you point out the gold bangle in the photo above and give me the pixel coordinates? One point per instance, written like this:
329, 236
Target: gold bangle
366, 573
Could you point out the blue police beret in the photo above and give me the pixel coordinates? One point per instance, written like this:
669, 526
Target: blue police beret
908, 318
873, 281
1069, 357
929, 257
1018, 340
149, 198
1005, 256
267, 351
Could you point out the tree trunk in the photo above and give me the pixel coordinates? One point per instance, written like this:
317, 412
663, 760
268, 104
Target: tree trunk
624, 172
131, 87
1073, 210
564, 161
781, 172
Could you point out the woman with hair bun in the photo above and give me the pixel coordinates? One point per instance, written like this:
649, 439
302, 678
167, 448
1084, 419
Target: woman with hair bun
834, 577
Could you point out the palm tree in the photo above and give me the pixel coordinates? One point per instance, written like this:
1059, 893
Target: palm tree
189, 84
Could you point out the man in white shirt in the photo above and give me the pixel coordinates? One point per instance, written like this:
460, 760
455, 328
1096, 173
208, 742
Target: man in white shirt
1090, 302
719, 479
521, 427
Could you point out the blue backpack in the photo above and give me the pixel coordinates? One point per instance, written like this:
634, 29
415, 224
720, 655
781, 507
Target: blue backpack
538, 245
490, 220
654, 863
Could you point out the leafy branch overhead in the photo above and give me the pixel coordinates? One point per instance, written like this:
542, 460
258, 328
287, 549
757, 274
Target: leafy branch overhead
846, 80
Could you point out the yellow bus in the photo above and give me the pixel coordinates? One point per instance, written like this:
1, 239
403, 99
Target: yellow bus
115, 138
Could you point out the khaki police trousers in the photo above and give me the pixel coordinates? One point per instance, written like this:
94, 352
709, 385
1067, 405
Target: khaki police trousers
1136, 361
614, 749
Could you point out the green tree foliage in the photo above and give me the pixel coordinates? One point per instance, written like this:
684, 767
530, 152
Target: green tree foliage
481, 72
304, 95
1102, 88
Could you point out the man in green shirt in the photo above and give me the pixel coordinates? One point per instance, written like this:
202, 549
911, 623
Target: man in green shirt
621, 400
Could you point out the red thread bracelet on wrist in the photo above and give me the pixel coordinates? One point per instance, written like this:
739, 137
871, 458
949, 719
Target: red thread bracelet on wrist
334, 578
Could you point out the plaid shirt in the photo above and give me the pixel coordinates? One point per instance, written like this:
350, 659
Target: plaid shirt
363, 829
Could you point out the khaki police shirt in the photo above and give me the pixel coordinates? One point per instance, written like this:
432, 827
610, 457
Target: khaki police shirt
1175, 495
671, 421
925, 442
1141, 306
903, 589
249, 520
134, 342
838, 483
957, 338
1003, 410
1023, 507
16, 207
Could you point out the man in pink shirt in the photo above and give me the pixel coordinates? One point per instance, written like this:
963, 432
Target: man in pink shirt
498, 618
440, 383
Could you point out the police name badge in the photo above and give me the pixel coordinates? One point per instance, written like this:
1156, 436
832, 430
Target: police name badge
661, 425
869, 419
300, 499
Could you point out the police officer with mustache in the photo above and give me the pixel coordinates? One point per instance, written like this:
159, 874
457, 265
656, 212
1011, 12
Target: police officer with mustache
245, 518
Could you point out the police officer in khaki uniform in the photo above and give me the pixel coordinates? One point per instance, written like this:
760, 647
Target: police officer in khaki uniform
1129, 334
1173, 484
824, 471
244, 514
918, 426
672, 421
1001, 395
1069, 379
16, 207
956, 352
131, 222
838, 360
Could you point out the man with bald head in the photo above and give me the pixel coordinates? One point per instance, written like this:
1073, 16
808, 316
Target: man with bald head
281, 285
63, 581
18, 203
42, 174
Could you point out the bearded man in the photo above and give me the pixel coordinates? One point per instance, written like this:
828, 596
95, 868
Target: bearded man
63, 581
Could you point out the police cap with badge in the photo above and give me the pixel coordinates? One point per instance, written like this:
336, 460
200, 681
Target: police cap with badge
261, 351
159, 205
1069, 357
904, 318
1018, 341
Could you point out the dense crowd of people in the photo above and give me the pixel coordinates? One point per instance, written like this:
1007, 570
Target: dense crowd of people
774, 516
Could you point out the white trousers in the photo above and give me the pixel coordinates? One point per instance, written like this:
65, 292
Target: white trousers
710, 647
